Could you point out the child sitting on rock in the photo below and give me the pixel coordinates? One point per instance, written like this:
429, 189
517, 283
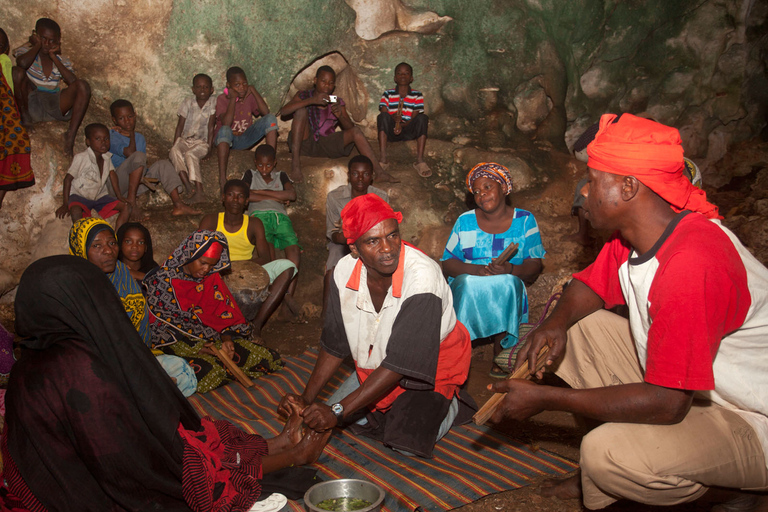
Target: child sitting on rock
85, 184
193, 138
37, 81
316, 114
270, 192
236, 109
248, 242
129, 156
402, 117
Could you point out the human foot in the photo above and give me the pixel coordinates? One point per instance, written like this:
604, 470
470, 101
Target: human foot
568, 489
295, 174
292, 433
197, 198
184, 209
137, 214
423, 169
311, 446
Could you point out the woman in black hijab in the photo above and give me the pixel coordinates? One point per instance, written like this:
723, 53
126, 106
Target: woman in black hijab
94, 423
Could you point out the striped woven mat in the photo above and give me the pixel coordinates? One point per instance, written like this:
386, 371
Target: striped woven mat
469, 462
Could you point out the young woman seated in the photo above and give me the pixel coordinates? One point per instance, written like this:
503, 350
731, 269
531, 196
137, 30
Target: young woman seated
135, 245
490, 297
191, 307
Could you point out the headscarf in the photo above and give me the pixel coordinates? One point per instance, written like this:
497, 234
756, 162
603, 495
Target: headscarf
81, 354
83, 232
199, 309
364, 212
652, 153
148, 260
493, 171
80, 239
195, 246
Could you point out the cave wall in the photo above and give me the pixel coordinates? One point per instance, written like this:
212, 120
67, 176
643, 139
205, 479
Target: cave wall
509, 76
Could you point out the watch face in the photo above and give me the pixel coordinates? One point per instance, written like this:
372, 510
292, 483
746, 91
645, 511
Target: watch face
337, 409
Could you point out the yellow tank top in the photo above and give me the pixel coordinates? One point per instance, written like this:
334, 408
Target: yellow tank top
240, 248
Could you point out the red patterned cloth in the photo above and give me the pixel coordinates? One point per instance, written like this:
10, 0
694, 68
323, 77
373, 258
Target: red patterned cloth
221, 469
15, 169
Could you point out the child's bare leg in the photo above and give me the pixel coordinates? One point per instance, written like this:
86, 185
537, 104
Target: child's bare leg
198, 196
21, 87
2, 196
421, 142
271, 138
184, 177
364, 147
75, 98
276, 293
125, 213
76, 213
222, 152
134, 180
179, 208
382, 147
298, 133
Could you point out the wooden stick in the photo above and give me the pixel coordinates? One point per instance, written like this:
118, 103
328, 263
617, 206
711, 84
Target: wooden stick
241, 377
505, 254
487, 410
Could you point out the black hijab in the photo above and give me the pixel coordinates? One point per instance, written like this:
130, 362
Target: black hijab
92, 418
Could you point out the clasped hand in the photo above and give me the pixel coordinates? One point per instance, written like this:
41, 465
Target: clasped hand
317, 416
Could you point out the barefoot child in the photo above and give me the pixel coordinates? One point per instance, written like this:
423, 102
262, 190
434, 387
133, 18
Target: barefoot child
270, 191
316, 114
85, 184
402, 117
236, 109
193, 139
41, 68
248, 241
129, 156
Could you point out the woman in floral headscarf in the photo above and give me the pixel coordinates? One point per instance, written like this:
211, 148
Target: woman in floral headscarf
490, 298
192, 306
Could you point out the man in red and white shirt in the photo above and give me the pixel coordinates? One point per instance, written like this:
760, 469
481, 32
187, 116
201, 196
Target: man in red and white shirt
391, 309
682, 386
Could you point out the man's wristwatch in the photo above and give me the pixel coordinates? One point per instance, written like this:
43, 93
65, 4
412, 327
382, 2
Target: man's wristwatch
338, 410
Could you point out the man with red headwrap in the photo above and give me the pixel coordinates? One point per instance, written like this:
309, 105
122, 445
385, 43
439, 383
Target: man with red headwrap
682, 386
389, 308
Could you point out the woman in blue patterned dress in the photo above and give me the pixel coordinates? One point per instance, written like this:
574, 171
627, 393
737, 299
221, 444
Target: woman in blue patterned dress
489, 298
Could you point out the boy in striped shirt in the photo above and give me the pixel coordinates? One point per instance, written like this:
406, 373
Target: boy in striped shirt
37, 80
402, 117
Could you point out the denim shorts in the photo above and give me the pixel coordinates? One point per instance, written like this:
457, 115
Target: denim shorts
249, 137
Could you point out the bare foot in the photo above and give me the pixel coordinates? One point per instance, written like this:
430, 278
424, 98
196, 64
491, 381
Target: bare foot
385, 177
583, 240
296, 175
568, 489
183, 209
292, 433
311, 446
197, 198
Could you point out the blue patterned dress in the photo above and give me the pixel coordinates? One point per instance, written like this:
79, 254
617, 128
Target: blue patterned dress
488, 305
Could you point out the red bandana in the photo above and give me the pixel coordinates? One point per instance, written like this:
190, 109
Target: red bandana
214, 251
652, 153
364, 212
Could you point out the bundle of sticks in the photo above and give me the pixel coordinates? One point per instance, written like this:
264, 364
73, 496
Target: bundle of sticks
482, 416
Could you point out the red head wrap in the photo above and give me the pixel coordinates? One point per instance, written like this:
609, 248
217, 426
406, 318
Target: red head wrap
213, 252
652, 153
364, 212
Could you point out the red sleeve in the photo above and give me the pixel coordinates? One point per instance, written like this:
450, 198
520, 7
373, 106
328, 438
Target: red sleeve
602, 276
699, 295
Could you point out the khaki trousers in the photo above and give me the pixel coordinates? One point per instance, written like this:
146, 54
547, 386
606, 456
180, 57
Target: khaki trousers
185, 155
653, 464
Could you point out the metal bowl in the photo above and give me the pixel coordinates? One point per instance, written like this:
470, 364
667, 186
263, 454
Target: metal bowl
344, 488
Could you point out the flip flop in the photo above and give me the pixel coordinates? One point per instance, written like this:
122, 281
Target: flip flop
273, 503
423, 169
497, 373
